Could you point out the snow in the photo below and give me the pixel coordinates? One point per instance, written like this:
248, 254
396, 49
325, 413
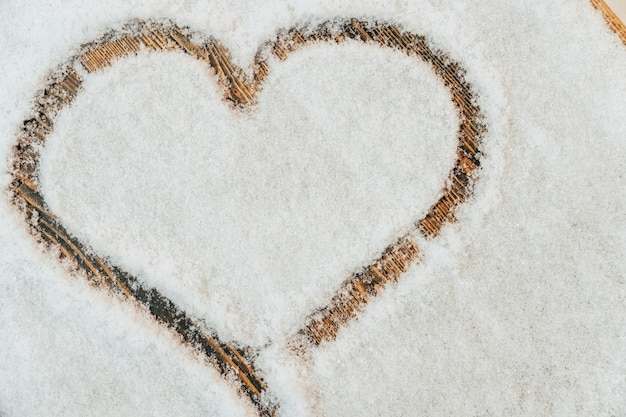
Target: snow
517, 309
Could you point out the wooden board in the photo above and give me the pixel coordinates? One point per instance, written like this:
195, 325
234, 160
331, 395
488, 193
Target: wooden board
236, 361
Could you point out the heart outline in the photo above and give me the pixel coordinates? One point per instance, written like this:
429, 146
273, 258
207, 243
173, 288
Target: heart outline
233, 361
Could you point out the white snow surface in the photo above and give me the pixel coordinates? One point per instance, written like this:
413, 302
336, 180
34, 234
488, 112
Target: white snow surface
249, 220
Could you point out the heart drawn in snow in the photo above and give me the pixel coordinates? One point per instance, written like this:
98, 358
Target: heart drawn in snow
234, 360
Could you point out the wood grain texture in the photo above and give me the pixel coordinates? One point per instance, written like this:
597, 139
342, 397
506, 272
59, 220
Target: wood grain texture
611, 19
